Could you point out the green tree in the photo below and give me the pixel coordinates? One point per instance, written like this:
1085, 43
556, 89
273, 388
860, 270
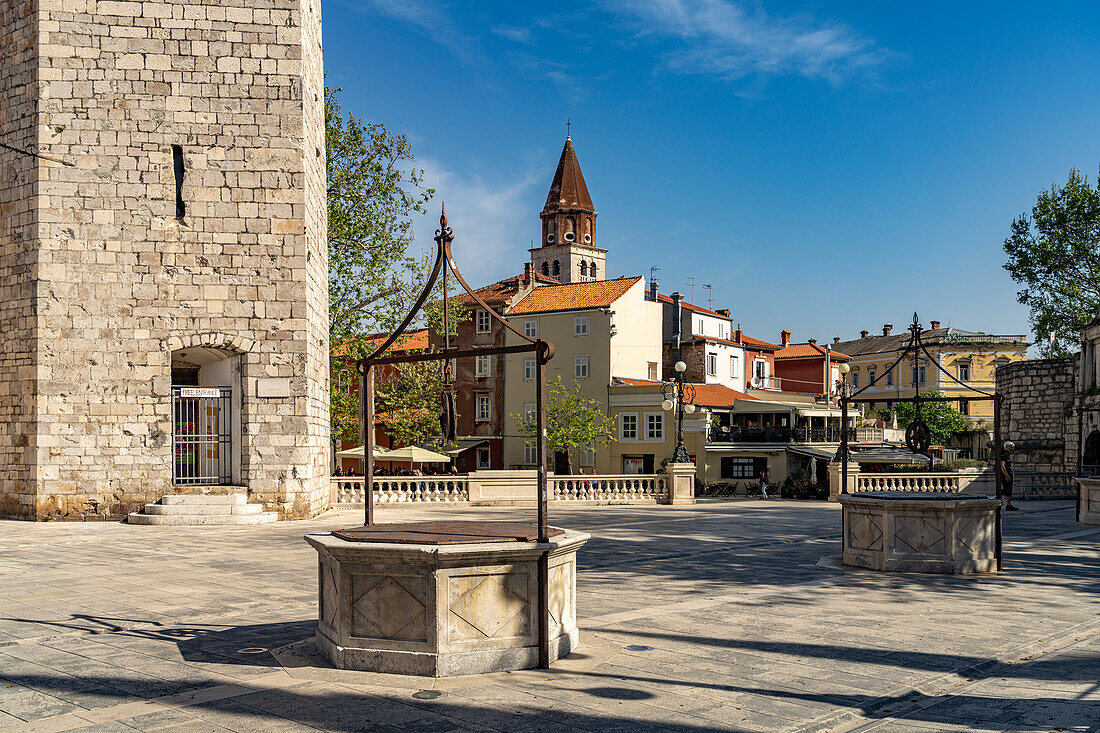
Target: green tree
1055, 255
373, 193
408, 403
573, 421
944, 421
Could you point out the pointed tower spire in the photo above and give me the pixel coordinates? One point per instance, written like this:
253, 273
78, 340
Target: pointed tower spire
568, 251
568, 191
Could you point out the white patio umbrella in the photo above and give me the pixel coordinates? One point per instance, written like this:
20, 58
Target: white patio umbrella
357, 452
412, 454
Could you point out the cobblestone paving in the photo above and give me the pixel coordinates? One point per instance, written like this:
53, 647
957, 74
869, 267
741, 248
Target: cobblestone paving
748, 621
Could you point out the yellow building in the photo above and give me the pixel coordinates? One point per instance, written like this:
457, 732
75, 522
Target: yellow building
599, 330
972, 357
645, 433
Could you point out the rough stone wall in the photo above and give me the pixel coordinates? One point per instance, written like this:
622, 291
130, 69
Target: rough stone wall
694, 356
18, 95
123, 281
315, 498
1035, 412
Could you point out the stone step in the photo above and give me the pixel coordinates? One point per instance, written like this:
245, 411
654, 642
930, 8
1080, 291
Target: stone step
185, 520
202, 499
207, 509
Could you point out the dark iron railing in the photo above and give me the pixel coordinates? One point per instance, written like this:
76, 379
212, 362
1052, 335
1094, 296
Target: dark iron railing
777, 434
202, 440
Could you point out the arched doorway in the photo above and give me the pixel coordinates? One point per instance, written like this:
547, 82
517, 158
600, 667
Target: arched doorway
206, 416
1091, 455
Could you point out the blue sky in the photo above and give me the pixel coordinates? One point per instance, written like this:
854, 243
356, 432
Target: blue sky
826, 167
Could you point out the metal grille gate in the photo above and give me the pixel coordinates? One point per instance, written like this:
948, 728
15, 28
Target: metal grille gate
202, 435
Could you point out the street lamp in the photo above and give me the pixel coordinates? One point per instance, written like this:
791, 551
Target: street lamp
844, 367
680, 395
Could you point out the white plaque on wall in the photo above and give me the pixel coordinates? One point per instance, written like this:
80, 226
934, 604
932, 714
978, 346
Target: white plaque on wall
273, 387
200, 392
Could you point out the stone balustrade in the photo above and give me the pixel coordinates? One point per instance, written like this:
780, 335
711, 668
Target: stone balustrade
401, 489
942, 482
611, 489
503, 488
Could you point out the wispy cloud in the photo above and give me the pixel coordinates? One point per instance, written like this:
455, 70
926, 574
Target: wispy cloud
428, 17
724, 38
519, 34
493, 220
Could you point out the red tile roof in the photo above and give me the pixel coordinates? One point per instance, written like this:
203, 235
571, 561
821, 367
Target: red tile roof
750, 341
717, 395
806, 351
408, 341
501, 290
574, 296
631, 382
716, 340
706, 395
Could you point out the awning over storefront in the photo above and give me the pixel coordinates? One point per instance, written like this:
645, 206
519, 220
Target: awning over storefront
887, 454
755, 406
822, 411
802, 450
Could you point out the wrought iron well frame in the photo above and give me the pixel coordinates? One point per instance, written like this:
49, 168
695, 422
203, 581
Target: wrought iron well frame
914, 347
544, 352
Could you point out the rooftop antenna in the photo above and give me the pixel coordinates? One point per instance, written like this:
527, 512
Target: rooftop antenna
691, 285
653, 274
710, 298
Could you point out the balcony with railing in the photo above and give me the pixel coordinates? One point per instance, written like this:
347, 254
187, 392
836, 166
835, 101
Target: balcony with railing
770, 383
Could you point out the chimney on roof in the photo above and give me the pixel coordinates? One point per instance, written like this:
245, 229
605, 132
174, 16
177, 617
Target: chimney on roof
653, 291
935, 324
527, 274
886, 328
836, 339
813, 341
864, 334
785, 337
737, 334
677, 318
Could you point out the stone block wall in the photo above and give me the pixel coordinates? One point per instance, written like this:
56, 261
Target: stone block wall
18, 256
122, 281
1036, 410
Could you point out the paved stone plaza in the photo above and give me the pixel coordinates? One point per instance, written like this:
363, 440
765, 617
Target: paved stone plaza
719, 616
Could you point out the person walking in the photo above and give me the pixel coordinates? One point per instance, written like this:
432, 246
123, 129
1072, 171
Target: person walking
764, 482
1006, 475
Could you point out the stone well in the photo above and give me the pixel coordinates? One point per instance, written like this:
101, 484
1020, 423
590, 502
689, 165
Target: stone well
1088, 500
920, 532
442, 609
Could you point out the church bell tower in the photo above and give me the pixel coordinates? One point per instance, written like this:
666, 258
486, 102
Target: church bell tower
568, 250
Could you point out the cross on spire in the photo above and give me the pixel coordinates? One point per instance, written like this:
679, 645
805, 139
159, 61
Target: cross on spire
568, 124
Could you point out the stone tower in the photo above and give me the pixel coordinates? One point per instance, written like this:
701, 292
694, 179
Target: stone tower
163, 259
568, 248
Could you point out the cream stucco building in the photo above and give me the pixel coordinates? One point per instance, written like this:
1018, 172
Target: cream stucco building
599, 330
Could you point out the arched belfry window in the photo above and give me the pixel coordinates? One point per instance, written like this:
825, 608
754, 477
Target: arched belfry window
584, 269
570, 229
592, 269
545, 268
556, 270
